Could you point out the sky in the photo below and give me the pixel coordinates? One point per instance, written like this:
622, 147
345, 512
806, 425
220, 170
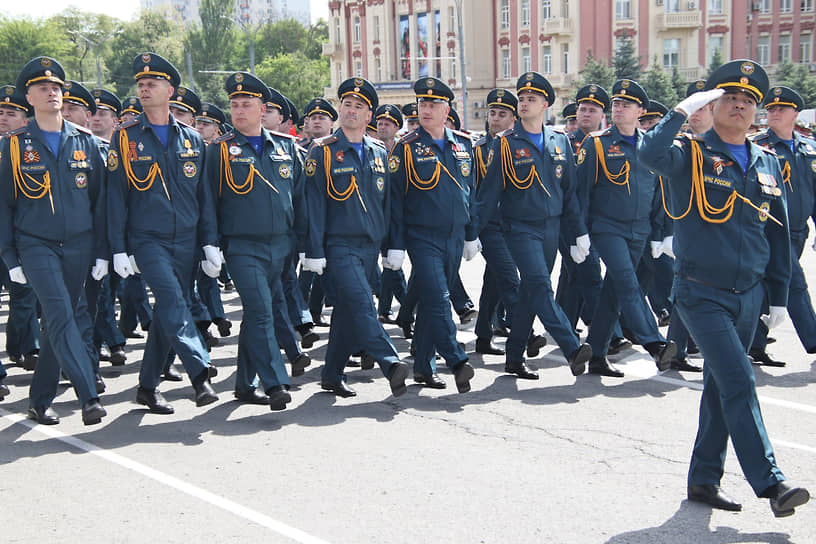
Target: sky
123, 9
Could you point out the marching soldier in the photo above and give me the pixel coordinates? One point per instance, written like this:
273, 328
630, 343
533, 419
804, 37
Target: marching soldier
531, 176
348, 196
104, 121
431, 183
184, 105
730, 233
209, 120
410, 115
570, 116
159, 215
53, 197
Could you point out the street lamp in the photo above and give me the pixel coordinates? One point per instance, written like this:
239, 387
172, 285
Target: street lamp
251, 30
462, 63
96, 46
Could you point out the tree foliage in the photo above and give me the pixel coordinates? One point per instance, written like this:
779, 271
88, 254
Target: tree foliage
598, 72
798, 78
716, 62
658, 85
626, 62
296, 76
23, 39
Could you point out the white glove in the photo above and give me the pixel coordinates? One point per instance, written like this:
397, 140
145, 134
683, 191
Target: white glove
211, 270
775, 316
814, 245
314, 265
213, 256
698, 100
301, 258
583, 243
668, 246
472, 248
577, 255
394, 258
123, 265
657, 249
100, 269
16, 275
135, 268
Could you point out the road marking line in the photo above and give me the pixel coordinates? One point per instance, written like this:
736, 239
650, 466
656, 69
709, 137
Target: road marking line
202, 494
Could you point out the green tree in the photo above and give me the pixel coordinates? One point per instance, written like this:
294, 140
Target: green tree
23, 39
626, 62
797, 77
212, 48
152, 31
716, 62
596, 72
678, 83
658, 85
296, 76
89, 35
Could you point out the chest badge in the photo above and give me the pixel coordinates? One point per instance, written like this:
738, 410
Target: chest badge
339, 156
81, 180
763, 211
614, 150
79, 155
284, 171
140, 147
234, 150
380, 184
113, 160
465, 168
311, 167
393, 163
581, 155
30, 156
190, 169
559, 171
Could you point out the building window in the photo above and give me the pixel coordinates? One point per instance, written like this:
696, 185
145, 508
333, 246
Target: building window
525, 13
451, 19
356, 30
715, 43
546, 9
805, 48
358, 68
525, 59
764, 6
807, 5
565, 9
505, 14
715, 6
378, 70
785, 6
672, 6
784, 48
376, 28
337, 32
505, 64
546, 59
565, 58
764, 50
623, 9
671, 53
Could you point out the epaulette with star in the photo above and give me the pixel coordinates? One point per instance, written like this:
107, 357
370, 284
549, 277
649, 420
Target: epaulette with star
408, 138
224, 138
481, 141
601, 132
131, 123
326, 140
16, 131
83, 130
463, 134
283, 135
377, 142
505, 133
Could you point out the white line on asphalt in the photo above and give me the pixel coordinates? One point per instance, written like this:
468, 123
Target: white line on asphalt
230, 506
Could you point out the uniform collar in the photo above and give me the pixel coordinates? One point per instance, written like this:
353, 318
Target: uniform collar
240, 139
145, 123
618, 137
447, 137
713, 142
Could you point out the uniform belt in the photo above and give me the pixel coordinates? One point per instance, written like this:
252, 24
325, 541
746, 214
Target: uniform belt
701, 282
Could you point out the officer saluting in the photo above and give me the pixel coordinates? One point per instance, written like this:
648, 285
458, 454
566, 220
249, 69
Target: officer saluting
431, 182
731, 231
159, 213
53, 201
348, 195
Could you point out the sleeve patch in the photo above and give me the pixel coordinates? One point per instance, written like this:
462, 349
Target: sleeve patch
393, 163
581, 155
113, 160
311, 167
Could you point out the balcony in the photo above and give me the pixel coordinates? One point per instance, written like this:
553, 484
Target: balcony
679, 20
332, 49
558, 26
560, 81
692, 73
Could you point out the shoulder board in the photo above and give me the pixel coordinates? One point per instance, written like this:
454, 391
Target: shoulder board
481, 141
224, 138
505, 133
300, 149
83, 130
759, 136
560, 131
326, 140
132, 122
408, 138
768, 150
283, 135
183, 124
16, 131
600, 132
104, 141
462, 134
378, 143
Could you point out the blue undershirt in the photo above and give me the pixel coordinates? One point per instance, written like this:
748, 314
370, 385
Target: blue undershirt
440, 143
790, 143
631, 139
740, 153
538, 140
257, 143
53, 140
161, 132
358, 147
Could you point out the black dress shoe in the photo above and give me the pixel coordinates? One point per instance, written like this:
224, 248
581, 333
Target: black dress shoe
224, 326
212, 371
785, 498
602, 366
713, 496
279, 397
407, 329
317, 320
154, 401
300, 363
339, 388
463, 373
253, 396
229, 286
44, 415
486, 347
761, 357
30, 360
388, 319
99, 383
770, 340
662, 353
684, 366
171, 374
617, 345
534, 345
396, 378
521, 370
433, 381
501, 331
467, 316
4, 391
663, 318
308, 340
692, 348
131, 334
367, 361
204, 392
92, 412
577, 359
117, 355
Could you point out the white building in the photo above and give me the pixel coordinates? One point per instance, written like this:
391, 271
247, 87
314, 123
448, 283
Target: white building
246, 11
